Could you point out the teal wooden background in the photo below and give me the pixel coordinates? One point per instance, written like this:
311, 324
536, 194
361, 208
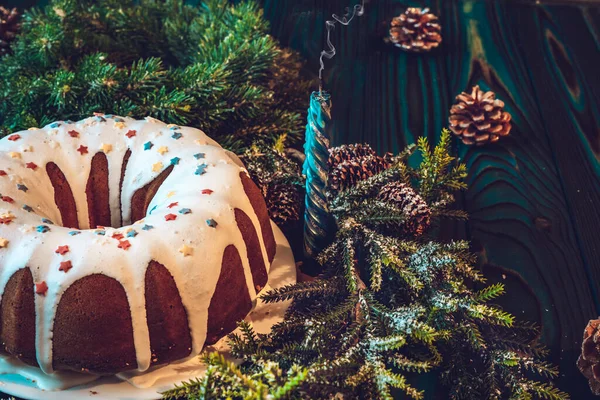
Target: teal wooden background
533, 196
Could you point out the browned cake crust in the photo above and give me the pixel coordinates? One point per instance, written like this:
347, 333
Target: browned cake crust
63, 196
253, 250
260, 208
142, 197
97, 192
103, 341
170, 337
231, 301
123, 170
17, 317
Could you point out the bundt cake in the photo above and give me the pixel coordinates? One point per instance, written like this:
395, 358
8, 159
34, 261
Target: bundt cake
124, 244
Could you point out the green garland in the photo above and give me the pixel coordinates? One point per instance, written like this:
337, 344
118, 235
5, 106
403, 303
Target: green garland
211, 66
388, 306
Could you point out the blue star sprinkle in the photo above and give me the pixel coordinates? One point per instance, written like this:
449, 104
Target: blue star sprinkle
185, 211
201, 170
117, 119
199, 156
100, 118
27, 208
177, 135
22, 187
148, 145
147, 227
174, 128
54, 125
74, 233
100, 232
175, 160
109, 116
42, 228
131, 234
152, 209
47, 221
212, 223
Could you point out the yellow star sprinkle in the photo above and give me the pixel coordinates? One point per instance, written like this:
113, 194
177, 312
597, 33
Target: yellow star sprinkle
14, 154
32, 129
119, 125
200, 142
157, 167
3, 243
170, 194
162, 150
186, 250
106, 148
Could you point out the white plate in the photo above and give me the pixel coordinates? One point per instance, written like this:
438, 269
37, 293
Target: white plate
283, 272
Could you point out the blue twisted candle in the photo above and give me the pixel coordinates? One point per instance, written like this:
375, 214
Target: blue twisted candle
318, 224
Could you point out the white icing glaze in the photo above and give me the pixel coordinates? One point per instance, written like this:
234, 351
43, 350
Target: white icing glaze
195, 275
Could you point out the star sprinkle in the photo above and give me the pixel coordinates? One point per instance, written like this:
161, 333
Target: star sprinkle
170, 194
147, 227
207, 191
7, 218
117, 236
148, 145
186, 250
198, 156
132, 234
119, 125
106, 148
173, 127
177, 135
3, 172
3, 243
42, 228
74, 233
130, 134
27, 208
41, 288
124, 244
170, 217
118, 119
73, 134
212, 223
173, 205
82, 149
54, 125
14, 154
152, 209
7, 199
22, 187
47, 221
175, 160
201, 169
100, 232
162, 150
14, 137
100, 118
31, 165
157, 167
185, 211
65, 266
62, 250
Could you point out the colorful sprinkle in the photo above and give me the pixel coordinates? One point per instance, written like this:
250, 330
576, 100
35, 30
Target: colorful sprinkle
3, 172
117, 236
7, 199
27, 208
162, 150
207, 191
186, 250
131, 234
54, 125
6, 220
177, 135
201, 170
82, 149
185, 211
31, 165
22, 187
175, 160
74, 233
173, 205
157, 167
130, 134
212, 223
118, 119
47, 221
100, 232
98, 114
3, 243
170, 194
198, 156
41, 288
170, 217
62, 250
74, 134
14, 137
152, 209
124, 244
148, 145
173, 127
100, 118
147, 227
14, 154
65, 266
42, 228
106, 148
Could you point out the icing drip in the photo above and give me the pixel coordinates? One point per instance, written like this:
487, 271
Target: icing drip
32, 242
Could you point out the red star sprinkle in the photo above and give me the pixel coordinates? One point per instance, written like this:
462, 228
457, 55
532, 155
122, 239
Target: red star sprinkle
100, 227
7, 199
3, 172
73, 133
31, 165
130, 134
5, 221
170, 217
65, 266
62, 250
206, 191
14, 137
98, 114
41, 288
117, 236
173, 205
82, 149
124, 244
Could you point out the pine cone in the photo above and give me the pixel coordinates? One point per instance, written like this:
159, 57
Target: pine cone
348, 172
415, 209
416, 30
479, 118
9, 26
284, 203
348, 152
589, 361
